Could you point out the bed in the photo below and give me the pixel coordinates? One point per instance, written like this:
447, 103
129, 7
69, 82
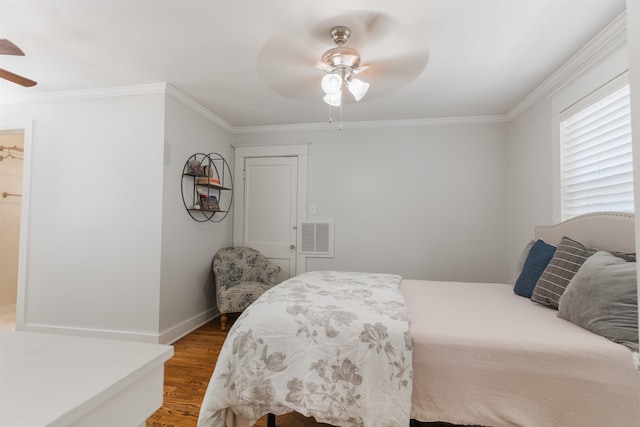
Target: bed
461, 353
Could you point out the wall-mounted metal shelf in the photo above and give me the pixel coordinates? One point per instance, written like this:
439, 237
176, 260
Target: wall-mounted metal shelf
207, 187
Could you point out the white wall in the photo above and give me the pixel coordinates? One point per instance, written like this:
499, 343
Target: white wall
426, 202
530, 176
111, 249
93, 261
187, 295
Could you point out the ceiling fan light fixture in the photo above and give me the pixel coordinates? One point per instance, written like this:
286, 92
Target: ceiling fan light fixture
341, 65
331, 83
358, 88
335, 100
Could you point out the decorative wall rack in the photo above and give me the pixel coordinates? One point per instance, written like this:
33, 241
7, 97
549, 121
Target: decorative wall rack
207, 187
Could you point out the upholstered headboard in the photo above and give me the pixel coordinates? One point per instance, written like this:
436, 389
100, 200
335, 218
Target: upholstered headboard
608, 231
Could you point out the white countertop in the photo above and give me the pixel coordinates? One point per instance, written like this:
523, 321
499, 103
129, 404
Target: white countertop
60, 380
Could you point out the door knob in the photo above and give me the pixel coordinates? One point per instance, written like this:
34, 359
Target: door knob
292, 247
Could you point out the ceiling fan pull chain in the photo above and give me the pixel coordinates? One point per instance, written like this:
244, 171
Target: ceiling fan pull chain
340, 127
330, 120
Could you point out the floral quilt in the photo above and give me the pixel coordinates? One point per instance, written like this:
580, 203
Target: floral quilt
331, 345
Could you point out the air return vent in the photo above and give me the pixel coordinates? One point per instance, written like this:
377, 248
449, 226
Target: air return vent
316, 238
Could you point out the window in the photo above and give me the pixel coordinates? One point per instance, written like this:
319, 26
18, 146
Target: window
596, 162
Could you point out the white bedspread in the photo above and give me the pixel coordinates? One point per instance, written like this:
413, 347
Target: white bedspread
483, 355
331, 345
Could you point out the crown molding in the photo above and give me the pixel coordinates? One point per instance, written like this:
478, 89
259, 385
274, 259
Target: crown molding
603, 45
146, 89
72, 95
372, 124
198, 108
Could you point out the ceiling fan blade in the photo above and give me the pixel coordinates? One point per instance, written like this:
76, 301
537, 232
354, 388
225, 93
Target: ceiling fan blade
8, 48
306, 89
391, 73
323, 66
403, 65
282, 53
377, 25
284, 60
361, 68
15, 78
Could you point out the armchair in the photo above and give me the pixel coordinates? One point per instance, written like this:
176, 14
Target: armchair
241, 275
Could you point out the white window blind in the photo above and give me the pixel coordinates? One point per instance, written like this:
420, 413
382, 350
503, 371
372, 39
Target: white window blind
597, 167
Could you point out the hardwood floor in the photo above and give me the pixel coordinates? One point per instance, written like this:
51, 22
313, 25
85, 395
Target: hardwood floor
186, 377
187, 374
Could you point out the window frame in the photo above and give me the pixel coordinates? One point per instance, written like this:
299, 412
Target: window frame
557, 119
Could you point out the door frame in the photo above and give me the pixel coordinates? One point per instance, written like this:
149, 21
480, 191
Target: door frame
301, 151
26, 127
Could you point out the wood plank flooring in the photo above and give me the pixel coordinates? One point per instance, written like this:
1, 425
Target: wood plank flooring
188, 372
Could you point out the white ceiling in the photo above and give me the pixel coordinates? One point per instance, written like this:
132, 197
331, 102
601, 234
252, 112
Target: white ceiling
484, 56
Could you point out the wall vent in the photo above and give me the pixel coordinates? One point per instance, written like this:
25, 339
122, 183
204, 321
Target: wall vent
316, 238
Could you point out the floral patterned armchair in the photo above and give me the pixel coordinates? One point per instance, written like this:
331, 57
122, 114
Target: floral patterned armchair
241, 275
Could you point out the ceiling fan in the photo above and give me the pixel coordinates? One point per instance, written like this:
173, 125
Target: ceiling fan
341, 64
291, 63
8, 48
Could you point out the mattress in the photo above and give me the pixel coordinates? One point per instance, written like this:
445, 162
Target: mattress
485, 356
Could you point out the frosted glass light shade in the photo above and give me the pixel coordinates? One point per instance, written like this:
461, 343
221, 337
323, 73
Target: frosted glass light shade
335, 100
331, 83
358, 88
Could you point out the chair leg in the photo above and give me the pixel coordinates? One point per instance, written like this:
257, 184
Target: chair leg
223, 321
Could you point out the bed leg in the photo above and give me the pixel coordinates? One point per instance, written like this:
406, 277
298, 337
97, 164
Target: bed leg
271, 420
223, 321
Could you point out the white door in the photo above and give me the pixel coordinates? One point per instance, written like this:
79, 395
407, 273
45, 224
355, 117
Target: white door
270, 209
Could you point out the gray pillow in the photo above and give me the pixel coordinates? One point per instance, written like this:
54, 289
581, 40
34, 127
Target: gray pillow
603, 298
555, 278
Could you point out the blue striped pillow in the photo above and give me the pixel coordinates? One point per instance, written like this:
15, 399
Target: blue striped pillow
537, 260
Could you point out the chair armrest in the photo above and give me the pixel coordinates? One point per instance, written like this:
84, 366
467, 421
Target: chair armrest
270, 273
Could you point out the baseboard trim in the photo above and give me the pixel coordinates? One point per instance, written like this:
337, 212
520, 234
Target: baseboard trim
92, 333
168, 336
174, 333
